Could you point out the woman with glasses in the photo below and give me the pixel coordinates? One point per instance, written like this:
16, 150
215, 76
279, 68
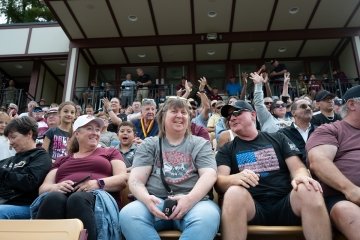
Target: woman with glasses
273, 120
171, 178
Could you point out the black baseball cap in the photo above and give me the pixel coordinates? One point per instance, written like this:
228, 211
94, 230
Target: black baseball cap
353, 92
38, 109
238, 105
322, 94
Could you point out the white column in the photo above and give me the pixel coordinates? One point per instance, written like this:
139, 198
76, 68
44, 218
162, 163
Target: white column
71, 74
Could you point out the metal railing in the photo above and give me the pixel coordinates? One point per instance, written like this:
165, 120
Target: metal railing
297, 88
85, 95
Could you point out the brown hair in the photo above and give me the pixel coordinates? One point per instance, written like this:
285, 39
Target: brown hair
173, 102
72, 145
61, 106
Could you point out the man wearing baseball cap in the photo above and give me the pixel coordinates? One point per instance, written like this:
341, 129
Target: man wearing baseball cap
52, 117
325, 102
264, 182
333, 153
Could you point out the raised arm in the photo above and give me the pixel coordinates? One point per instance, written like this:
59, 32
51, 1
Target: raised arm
285, 91
261, 111
267, 84
107, 107
244, 79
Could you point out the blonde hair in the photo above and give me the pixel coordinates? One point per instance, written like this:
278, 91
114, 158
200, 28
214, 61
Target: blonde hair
172, 102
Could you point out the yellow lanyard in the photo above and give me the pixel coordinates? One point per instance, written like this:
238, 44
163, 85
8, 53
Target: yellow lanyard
145, 132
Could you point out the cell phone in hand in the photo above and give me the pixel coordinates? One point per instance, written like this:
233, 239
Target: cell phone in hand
169, 204
81, 181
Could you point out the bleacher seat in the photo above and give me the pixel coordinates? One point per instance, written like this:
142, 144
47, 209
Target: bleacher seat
64, 229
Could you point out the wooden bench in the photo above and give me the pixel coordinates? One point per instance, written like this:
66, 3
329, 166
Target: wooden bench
64, 229
254, 232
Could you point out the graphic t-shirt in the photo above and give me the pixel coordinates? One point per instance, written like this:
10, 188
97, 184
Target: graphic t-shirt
181, 163
58, 142
265, 155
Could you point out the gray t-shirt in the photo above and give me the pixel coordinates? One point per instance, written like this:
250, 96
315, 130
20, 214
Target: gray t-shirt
181, 163
107, 137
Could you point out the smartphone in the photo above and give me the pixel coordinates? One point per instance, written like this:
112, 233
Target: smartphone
81, 181
169, 204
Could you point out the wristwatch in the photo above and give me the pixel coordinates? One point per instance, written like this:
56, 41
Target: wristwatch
101, 183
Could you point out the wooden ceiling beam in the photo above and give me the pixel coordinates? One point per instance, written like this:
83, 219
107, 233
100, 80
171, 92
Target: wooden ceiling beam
259, 36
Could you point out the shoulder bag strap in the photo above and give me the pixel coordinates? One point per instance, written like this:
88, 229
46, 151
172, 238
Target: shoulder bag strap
168, 189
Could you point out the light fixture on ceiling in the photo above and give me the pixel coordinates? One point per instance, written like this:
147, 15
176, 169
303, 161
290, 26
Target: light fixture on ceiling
212, 14
141, 55
210, 52
132, 18
294, 10
19, 66
282, 49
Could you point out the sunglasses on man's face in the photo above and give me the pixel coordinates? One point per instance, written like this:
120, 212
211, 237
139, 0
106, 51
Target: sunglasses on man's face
280, 105
268, 103
219, 107
305, 106
237, 113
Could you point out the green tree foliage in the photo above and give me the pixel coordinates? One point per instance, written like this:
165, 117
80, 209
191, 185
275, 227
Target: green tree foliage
25, 11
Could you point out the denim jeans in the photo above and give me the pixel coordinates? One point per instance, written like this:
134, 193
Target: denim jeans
200, 223
14, 212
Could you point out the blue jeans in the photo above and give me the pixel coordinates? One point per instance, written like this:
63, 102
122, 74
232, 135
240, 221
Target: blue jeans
200, 223
14, 212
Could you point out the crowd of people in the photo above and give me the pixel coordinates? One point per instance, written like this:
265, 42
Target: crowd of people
273, 161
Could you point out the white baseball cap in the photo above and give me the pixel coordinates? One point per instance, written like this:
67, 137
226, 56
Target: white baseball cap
85, 119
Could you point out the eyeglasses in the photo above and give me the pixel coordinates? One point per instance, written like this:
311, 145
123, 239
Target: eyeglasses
237, 113
305, 106
280, 105
176, 98
268, 103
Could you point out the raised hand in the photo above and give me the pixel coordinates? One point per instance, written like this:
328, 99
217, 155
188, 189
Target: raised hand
265, 75
187, 86
256, 78
203, 83
286, 78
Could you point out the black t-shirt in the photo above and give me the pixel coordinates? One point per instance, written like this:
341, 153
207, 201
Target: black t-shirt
265, 155
319, 119
143, 79
114, 127
277, 69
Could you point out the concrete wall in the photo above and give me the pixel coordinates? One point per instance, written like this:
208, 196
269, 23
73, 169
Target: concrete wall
42, 40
